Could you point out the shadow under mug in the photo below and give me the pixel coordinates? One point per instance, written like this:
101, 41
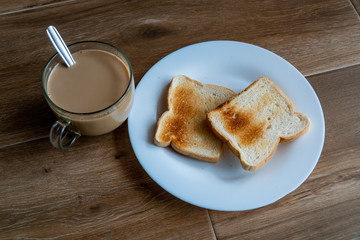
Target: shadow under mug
70, 125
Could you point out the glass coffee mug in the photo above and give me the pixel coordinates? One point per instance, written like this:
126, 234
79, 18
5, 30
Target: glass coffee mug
71, 124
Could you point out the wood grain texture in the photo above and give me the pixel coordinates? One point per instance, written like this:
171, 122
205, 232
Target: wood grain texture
315, 36
95, 190
356, 4
98, 190
11, 6
327, 205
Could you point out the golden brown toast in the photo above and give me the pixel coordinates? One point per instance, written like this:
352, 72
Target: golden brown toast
184, 126
253, 122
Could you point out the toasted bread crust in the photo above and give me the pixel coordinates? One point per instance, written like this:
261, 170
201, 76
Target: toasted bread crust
183, 125
205, 158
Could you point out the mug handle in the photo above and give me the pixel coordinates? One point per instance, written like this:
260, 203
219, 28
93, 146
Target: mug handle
61, 136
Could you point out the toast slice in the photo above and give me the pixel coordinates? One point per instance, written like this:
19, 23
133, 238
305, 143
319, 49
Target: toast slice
184, 124
253, 122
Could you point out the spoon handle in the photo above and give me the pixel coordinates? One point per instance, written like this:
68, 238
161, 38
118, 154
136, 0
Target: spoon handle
60, 46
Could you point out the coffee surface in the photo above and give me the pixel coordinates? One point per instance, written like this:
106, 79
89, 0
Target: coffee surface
96, 81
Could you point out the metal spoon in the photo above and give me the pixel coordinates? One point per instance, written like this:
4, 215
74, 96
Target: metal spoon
60, 46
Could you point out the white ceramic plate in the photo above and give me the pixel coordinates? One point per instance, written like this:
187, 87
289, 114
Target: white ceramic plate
225, 185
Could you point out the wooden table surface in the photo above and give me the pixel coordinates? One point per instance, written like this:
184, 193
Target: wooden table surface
98, 189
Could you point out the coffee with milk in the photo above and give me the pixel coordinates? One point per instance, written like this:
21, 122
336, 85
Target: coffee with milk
97, 89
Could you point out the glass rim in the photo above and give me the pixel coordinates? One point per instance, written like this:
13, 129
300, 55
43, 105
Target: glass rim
98, 111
